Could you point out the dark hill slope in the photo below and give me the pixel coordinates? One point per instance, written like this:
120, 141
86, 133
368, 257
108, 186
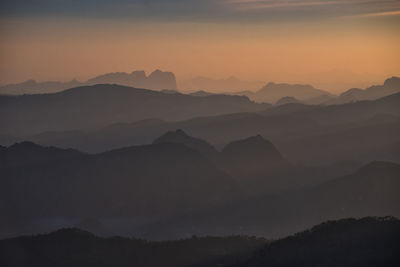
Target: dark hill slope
371, 191
77, 248
349, 242
152, 180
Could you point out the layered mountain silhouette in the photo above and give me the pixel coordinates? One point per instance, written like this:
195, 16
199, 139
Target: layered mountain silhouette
157, 80
153, 181
371, 191
368, 241
253, 156
176, 174
361, 131
76, 247
100, 105
254, 162
272, 92
347, 242
390, 86
28, 153
34, 87
179, 136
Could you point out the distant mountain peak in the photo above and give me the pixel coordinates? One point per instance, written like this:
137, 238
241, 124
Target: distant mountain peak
179, 136
250, 141
171, 135
253, 156
272, 92
157, 80
393, 81
24, 144
252, 147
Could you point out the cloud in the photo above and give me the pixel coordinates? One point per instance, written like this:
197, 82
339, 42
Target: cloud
379, 14
256, 5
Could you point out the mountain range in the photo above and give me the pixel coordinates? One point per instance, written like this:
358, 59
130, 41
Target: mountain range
175, 174
373, 190
97, 106
272, 92
389, 87
364, 242
179, 182
157, 80
361, 131
283, 93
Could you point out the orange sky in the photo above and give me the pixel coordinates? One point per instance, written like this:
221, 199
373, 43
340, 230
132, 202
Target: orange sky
332, 53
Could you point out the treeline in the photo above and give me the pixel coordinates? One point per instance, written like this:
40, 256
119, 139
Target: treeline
363, 242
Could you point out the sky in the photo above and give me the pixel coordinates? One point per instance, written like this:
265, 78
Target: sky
333, 44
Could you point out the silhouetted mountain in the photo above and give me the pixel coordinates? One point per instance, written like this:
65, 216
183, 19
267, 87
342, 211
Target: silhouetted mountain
94, 226
287, 100
361, 131
272, 92
101, 105
348, 242
253, 156
197, 144
135, 79
151, 181
390, 86
157, 80
161, 80
74, 247
254, 162
34, 87
28, 153
373, 190
362, 242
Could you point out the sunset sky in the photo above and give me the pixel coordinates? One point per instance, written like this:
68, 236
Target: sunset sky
329, 43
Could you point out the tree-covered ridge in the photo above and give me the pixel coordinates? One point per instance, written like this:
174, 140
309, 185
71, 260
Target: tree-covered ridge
369, 241
75, 247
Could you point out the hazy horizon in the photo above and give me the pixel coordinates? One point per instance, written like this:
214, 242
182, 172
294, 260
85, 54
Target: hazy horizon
333, 45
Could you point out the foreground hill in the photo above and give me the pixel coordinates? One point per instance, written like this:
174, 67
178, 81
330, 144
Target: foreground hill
100, 105
74, 247
348, 242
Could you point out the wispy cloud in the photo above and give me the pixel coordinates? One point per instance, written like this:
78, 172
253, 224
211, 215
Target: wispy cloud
378, 14
201, 10
252, 4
